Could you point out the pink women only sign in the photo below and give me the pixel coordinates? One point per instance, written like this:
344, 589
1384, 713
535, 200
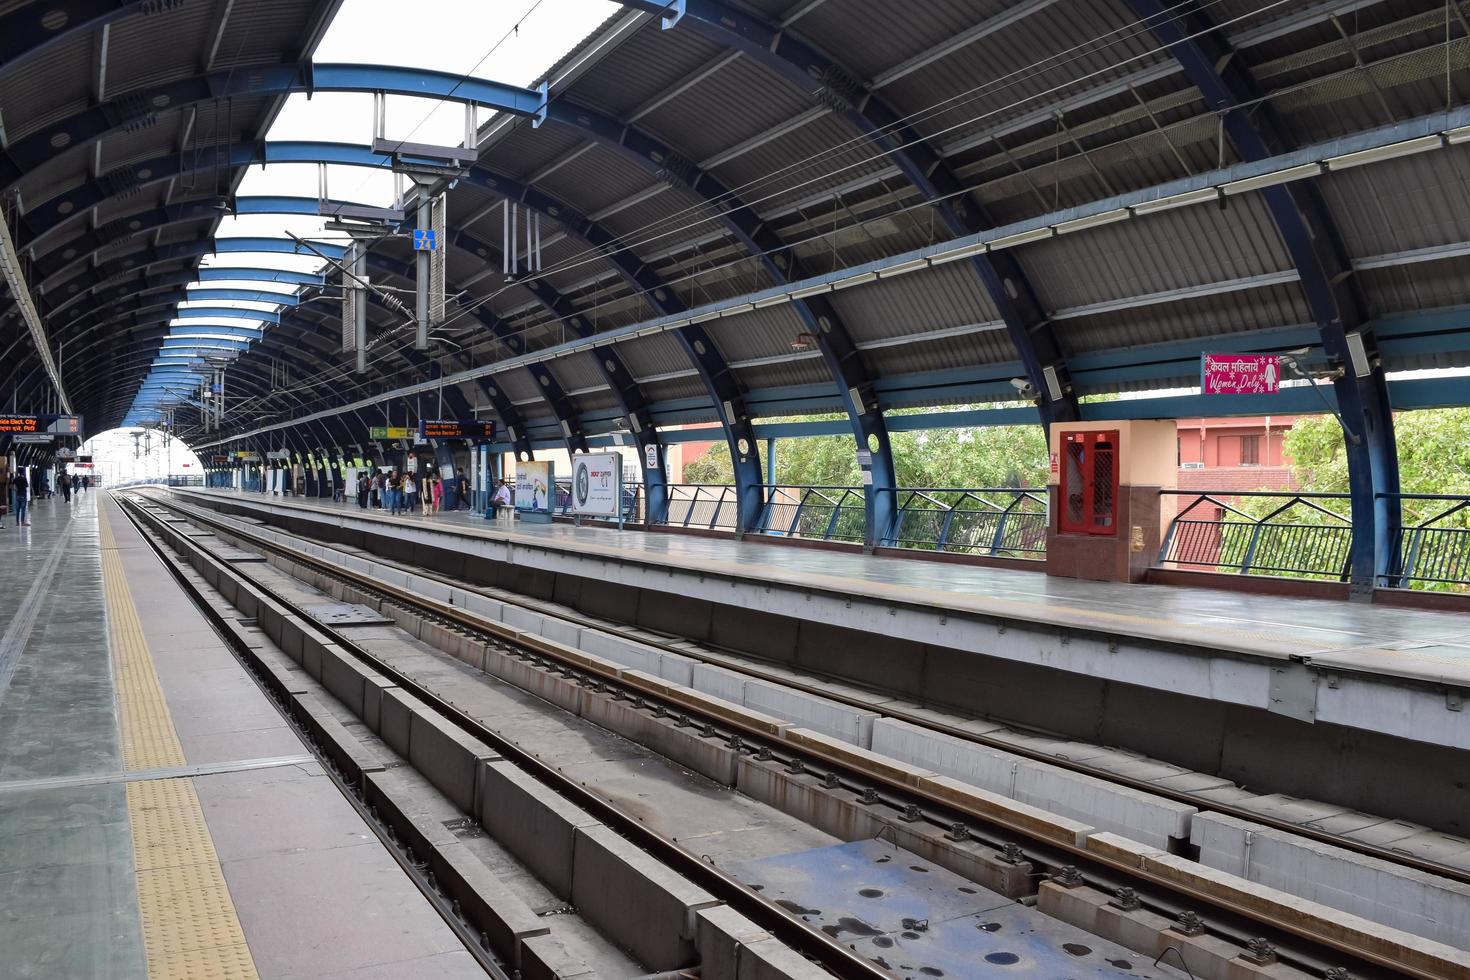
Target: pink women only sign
1241, 374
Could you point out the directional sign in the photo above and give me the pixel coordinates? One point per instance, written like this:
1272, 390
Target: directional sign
20, 423
389, 432
425, 239
66, 425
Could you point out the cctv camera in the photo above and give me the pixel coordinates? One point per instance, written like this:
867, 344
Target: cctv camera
1026, 388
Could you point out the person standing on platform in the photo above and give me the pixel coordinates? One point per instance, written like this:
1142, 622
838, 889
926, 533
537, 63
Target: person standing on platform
362, 491
394, 486
426, 494
22, 487
410, 493
438, 493
375, 489
65, 482
462, 489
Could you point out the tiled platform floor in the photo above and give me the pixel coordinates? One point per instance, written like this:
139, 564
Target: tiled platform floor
311, 887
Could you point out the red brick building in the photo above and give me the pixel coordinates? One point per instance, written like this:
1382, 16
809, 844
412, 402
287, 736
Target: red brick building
1235, 454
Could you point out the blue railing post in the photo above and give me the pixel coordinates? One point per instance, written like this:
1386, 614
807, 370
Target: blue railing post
832, 521
719, 504
796, 520
943, 540
1250, 548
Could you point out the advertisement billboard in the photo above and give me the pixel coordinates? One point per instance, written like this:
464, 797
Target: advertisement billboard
597, 484
534, 488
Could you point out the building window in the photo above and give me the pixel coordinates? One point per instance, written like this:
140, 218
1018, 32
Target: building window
1250, 450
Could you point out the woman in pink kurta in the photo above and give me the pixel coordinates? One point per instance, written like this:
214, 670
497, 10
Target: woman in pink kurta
438, 494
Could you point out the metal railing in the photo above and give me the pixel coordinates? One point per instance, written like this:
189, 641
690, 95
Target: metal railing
1001, 522
708, 506
1309, 535
1432, 545
815, 512
1299, 535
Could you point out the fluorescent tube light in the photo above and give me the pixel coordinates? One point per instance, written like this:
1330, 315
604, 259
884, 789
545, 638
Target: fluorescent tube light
963, 252
902, 268
1023, 238
1181, 200
856, 280
1273, 179
1392, 151
825, 287
1093, 221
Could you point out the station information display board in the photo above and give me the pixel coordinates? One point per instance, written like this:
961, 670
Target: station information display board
62, 425
27, 424
455, 429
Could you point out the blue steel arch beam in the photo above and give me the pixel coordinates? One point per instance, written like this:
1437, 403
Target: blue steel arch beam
59, 211
111, 283
1325, 274
59, 257
719, 381
119, 273
139, 108
810, 71
77, 251
818, 316
94, 278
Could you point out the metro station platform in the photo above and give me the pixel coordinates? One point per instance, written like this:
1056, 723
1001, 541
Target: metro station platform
158, 817
1386, 670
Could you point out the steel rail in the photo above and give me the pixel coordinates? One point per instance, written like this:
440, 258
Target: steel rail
737, 662
656, 691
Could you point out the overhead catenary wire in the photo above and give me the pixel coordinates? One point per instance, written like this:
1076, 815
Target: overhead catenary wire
600, 254
880, 136
546, 325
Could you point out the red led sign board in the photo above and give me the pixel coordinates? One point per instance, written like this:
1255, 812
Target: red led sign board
455, 429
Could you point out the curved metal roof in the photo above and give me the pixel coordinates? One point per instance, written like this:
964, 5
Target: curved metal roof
767, 142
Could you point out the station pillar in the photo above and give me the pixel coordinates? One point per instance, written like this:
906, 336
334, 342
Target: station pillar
1107, 512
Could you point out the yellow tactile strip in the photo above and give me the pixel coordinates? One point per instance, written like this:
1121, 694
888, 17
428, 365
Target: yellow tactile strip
190, 930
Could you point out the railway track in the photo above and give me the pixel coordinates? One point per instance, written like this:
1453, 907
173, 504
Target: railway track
927, 721
1312, 939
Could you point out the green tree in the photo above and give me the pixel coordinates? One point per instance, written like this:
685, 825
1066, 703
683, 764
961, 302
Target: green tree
1433, 446
1002, 456
1434, 458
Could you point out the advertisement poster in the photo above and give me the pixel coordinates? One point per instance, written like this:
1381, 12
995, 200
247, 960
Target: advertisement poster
533, 488
1240, 374
597, 480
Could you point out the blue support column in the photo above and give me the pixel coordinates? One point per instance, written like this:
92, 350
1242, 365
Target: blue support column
1326, 274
